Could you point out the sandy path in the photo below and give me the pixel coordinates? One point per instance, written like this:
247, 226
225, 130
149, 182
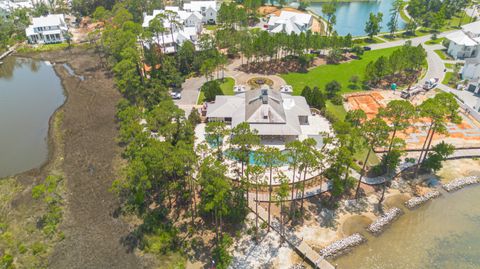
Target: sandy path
93, 236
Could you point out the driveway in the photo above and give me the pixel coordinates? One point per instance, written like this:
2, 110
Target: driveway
191, 87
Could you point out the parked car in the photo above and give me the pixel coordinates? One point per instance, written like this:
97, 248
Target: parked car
408, 93
430, 84
367, 48
176, 95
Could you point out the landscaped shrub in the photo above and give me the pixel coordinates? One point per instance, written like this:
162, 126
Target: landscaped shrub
211, 89
337, 100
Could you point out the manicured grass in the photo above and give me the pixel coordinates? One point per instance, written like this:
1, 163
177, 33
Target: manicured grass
449, 66
435, 41
443, 55
367, 41
211, 27
338, 111
323, 74
447, 78
226, 86
453, 23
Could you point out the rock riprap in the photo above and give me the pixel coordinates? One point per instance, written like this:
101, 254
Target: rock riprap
417, 201
379, 225
341, 246
460, 183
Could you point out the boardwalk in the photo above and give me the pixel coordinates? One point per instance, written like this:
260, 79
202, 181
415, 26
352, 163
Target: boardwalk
302, 248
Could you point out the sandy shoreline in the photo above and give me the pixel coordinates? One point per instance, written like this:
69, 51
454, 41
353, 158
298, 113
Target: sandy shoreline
329, 226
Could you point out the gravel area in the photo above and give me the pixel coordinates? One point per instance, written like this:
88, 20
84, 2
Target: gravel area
342, 246
460, 183
417, 201
379, 225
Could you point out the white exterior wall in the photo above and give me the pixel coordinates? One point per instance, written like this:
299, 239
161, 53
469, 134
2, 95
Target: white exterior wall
471, 72
194, 21
461, 51
210, 15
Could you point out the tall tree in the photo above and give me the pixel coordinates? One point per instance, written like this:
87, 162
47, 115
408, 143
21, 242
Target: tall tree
256, 173
439, 110
271, 158
375, 133
216, 131
308, 162
329, 9
215, 191
373, 25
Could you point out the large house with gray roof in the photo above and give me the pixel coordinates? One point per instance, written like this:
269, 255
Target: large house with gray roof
276, 116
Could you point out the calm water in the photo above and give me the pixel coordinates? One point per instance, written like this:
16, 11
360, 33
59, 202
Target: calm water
443, 234
30, 92
351, 17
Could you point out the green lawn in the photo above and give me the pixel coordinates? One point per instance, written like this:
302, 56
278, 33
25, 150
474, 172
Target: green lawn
323, 74
211, 27
447, 78
226, 86
443, 55
435, 41
453, 23
367, 41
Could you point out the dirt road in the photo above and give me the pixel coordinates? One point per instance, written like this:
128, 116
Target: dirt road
93, 236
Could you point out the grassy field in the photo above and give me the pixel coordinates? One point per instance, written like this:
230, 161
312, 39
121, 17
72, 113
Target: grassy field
226, 86
447, 78
435, 41
443, 55
323, 74
367, 41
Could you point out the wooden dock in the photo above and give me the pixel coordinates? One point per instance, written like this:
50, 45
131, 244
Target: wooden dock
300, 246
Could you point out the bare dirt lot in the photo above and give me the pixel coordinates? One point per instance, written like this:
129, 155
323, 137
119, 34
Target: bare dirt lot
93, 235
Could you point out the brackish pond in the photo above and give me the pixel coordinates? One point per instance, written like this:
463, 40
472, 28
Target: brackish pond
443, 234
351, 17
30, 92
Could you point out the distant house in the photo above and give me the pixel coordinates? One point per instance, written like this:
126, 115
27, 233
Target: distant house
208, 10
290, 22
276, 116
471, 73
184, 18
464, 43
47, 29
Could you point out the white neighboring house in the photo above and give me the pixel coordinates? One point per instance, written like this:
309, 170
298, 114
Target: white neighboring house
471, 72
290, 22
169, 43
208, 10
190, 26
47, 29
185, 18
464, 43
